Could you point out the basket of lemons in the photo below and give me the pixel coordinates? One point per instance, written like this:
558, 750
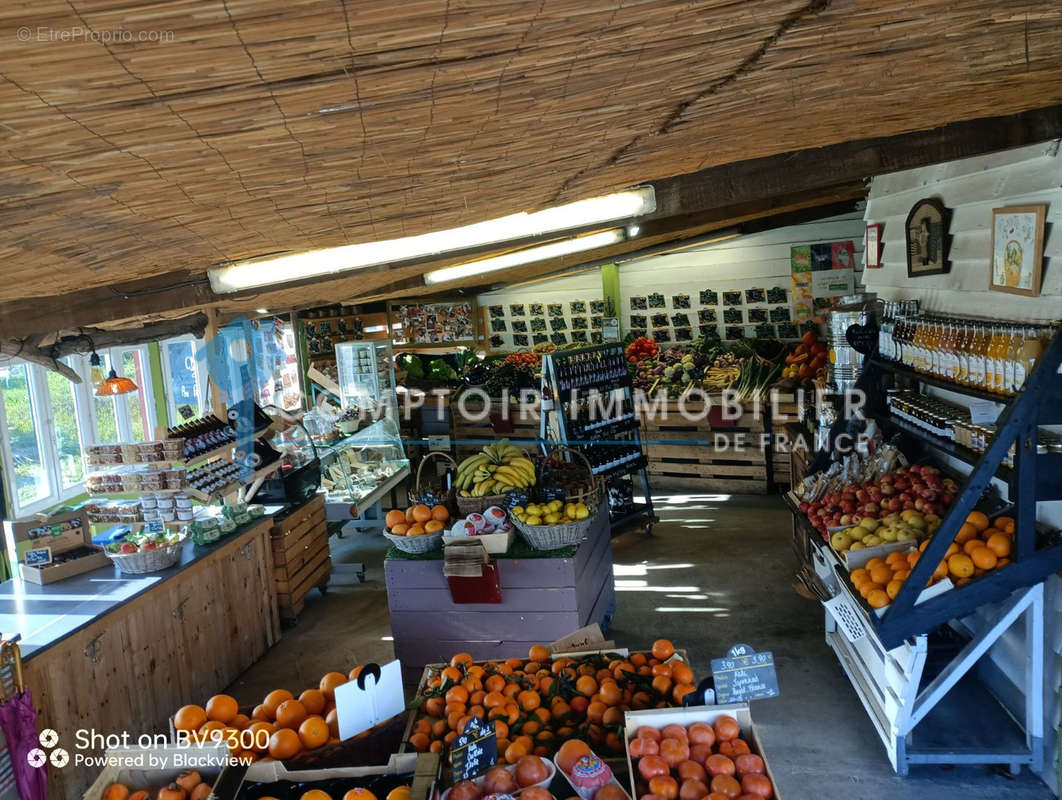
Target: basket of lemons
559, 523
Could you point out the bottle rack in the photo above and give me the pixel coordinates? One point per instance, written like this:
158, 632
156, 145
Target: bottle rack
571, 380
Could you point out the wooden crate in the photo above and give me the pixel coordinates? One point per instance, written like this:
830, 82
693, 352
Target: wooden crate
783, 411
473, 426
301, 558
697, 451
542, 600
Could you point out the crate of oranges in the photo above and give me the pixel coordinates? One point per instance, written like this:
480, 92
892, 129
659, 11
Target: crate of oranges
538, 702
981, 546
301, 730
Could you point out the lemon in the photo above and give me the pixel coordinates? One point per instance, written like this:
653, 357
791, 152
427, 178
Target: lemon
533, 519
569, 510
517, 510
556, 505
552, 518
581, 511
532, 509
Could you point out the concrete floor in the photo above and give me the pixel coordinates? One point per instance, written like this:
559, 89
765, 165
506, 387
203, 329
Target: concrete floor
718, 570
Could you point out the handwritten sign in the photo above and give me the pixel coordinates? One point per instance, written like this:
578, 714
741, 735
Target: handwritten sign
38, 557
744, 675
474, 751
984, 412
862, 338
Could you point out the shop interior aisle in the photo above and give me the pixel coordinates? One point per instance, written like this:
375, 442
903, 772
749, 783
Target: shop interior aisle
717, 571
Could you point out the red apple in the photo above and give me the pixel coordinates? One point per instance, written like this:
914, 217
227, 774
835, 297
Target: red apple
846, 519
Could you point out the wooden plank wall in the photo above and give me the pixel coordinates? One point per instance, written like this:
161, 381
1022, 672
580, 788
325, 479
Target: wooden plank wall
972, 187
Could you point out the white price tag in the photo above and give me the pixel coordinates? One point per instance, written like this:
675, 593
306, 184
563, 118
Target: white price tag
984, 412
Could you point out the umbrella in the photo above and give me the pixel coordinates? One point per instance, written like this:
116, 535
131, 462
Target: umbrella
18, 720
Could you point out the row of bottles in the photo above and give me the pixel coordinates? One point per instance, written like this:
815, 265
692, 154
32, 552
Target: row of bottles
592, 368
995, 357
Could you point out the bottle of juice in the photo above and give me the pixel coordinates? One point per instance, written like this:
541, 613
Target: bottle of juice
1032, 348
933, 348
921, 339
962, 355
978, 350
1014, 345
997, 353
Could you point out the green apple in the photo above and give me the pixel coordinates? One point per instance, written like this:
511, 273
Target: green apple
872, 540
888, 534
856, 546
870, 525
841, 541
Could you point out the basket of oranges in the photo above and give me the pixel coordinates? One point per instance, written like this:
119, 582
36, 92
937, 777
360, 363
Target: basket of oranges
418, 529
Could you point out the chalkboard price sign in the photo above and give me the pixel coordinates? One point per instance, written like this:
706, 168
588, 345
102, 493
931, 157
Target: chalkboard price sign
744, 675
474, 751
38, 557
862, 338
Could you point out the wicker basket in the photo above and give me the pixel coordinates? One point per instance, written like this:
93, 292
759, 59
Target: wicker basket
419, 490
552, 537
147, 560
424, 543
477, 505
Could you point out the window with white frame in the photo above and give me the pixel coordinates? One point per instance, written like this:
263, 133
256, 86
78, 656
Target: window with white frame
45, 420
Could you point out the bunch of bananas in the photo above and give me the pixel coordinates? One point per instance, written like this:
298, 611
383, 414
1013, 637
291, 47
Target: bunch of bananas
497, 469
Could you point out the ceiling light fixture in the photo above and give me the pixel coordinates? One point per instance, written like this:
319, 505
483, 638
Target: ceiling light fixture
518, 258
115, 384
253, 273
261, 311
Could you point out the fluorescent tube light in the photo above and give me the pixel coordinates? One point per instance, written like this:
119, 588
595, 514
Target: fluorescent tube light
253, 273
564, 247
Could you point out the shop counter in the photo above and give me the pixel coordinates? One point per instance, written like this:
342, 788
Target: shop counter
544, 595
108, 653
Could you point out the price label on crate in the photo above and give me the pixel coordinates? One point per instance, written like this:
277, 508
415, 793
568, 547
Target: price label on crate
744, 675
474, 751
38, 556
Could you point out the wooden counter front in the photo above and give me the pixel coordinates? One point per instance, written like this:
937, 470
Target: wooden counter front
186, 636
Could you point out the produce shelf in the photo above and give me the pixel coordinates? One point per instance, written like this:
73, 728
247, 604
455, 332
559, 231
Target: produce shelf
965, 454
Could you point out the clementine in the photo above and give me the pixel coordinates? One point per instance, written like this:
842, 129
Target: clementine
421, 513
189, 718
440, 513
394, 517
313, 732
290, 714
274, 699
330, 681
284, 743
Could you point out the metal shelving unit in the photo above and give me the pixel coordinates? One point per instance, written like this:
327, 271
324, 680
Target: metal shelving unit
560, 394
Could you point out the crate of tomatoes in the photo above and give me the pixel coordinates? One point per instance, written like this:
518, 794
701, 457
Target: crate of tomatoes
696, 752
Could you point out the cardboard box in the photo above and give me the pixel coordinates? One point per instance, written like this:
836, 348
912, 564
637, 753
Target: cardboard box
418, 771
659, 717
60, 533
495, 543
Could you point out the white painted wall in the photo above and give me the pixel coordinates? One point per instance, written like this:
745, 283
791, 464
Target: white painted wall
972, 188
759, 260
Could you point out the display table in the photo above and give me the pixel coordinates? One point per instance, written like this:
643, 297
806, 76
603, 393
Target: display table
110, 653
544, 596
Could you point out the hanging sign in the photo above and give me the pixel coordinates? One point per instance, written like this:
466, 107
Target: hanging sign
744, 675
375, 696
862, 338
474, 751
38, 557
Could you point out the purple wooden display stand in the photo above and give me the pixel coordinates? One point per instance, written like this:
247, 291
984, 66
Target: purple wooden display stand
543, 599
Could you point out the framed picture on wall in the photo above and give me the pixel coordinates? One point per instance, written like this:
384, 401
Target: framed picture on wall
1017, 249
927, 238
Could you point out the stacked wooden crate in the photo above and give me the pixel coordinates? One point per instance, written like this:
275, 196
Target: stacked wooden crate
475, 425
301, 559
693, 447
782, 411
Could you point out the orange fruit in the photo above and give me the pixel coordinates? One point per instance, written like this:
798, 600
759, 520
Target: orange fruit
874, 562
966, 532
284, 743
330, 681
515, 751
416, 529
529, 700
984, 558
977, 519
953, 549
433, 525
999, 544
942, 568
420, 512
223, 708
189, 718
274, 699
290, 714
313, 700
332, 720
461, 660
893, 589
1005, 524
538, 652
972, 545
315, 794
240, 721
881, 574
409, 515
365, 794
261, 712
259, 735
116, 791
400, 529
869, 587
960, 565
663, 649
313, 732
858, 577
440, 513
877, 599
394, 517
